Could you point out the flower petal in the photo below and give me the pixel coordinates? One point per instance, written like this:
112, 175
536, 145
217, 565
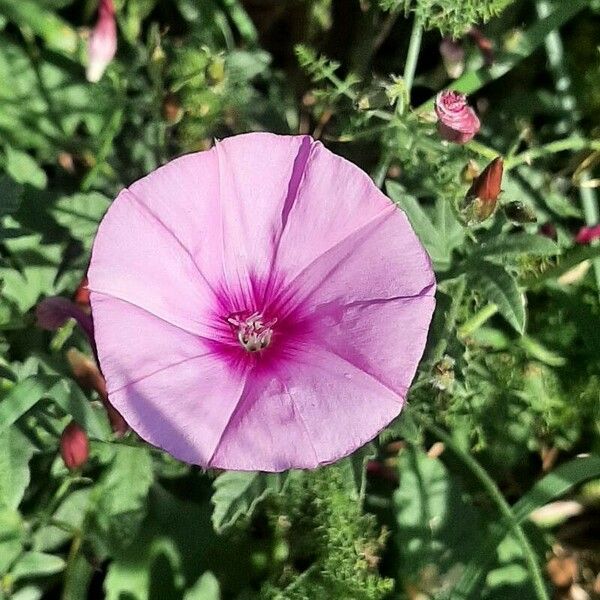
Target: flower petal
309, 412
137, 258
384, 339
259, 178
135, 344
335, 199
381, 260
184, 408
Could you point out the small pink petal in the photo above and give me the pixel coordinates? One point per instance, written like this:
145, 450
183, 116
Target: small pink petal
102, 45
458, 122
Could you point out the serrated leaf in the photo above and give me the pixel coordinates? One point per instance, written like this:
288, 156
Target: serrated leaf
15, 453
440, 234
498, 287
23, 168
238, 493
519, 243
36, 564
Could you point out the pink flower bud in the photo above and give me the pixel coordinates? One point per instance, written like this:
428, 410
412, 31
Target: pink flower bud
102, 45
458, 122
588, 234
74, 446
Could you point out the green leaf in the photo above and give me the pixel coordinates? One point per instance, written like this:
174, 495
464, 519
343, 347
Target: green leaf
15, 453
12, 537
440, 233
556, 484
21, 398
437, 527
206, 588
238, 493
567, 261
67, 394
71, 511
181, 531
23, 168
118, 502
36, 564
57, 34
80, 214
354, 471
37, 265
519, 243
498, 287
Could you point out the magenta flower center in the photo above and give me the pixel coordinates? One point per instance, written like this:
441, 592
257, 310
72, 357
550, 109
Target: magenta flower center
252, 331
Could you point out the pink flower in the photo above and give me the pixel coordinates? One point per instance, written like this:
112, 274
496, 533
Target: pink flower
102, 45
74, 446
588, 234
258, 306
457, 120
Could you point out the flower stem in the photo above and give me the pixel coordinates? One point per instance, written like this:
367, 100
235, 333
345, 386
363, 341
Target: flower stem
414, 47
495, 494
571, 143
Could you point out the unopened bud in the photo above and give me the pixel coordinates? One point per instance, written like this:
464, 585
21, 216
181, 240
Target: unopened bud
482, 197
74, 446
519, 213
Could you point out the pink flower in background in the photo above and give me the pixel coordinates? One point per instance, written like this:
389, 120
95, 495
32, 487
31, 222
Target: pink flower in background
457, 120
102, 45
259, 306
588, 234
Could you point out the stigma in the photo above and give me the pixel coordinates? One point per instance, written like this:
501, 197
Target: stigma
253, 332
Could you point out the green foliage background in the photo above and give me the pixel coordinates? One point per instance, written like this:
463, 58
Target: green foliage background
503, 416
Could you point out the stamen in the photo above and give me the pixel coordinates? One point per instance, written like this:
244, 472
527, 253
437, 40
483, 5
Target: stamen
252, 332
